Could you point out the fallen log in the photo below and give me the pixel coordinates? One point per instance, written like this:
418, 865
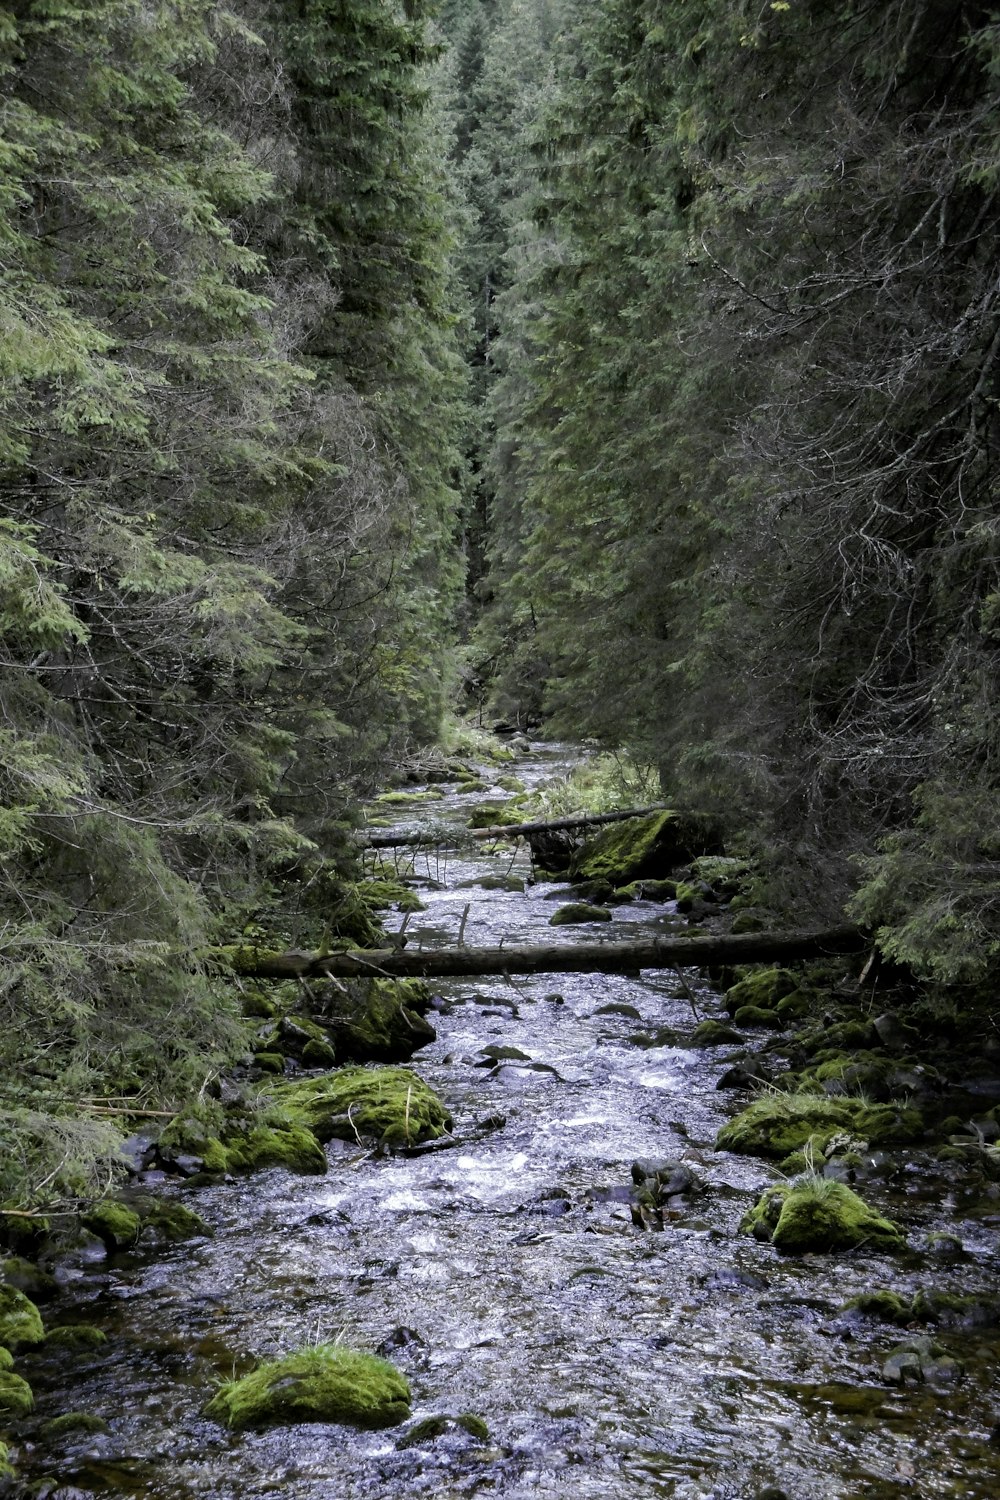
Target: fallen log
548, 958
506, 830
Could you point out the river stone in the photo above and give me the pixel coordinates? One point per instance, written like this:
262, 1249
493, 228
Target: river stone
576, 911
325, 1383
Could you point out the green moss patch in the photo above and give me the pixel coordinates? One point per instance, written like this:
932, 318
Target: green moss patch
714, 1034
757, 1015
20, 1320
327, 1383
6, 1359
73, 1421
576, 911
113, 1223
763, 988
75, 1336
782, 1123
392, 1105
28, 1278
378, 1020
645, 847
494, 815
381, 894
16, 1399
820, 1215
285, 1144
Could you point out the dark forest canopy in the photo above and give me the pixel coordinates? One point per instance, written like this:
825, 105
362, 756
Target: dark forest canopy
633, 363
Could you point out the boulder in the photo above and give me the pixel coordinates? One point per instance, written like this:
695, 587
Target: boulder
325, 1383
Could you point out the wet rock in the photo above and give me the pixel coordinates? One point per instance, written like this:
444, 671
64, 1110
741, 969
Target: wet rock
138, 1150
619, 1008
892, 1033
491, 1056
391, 1104
20, 1320
664, 1036
401, 1338
756, 1015
28, 1278
762, 989
658, 1186
73, 1422
377, 1020
465, 1425
921, 1360
114, 1223
748, 1075
943, 1247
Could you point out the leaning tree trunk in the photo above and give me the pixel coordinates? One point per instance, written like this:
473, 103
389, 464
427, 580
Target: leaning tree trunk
579, 958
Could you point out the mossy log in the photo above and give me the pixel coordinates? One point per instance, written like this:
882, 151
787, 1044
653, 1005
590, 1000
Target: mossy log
542, 958
508, 830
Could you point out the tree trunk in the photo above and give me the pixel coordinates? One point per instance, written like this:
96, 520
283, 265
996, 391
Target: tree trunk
581, 958
505, 830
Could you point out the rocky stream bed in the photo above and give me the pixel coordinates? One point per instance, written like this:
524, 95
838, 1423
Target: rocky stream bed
507, 1273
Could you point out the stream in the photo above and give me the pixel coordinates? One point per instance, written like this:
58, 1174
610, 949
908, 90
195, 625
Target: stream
504, 1276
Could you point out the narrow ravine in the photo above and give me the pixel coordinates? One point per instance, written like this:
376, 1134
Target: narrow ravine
504, 1275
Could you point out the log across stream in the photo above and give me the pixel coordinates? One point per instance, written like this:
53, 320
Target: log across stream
503, 1273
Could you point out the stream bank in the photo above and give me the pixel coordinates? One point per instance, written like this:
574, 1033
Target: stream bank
504, 1274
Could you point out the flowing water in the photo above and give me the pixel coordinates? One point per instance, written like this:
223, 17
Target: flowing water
504, 1276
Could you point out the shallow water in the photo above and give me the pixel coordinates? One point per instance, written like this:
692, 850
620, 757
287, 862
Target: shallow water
504, 1276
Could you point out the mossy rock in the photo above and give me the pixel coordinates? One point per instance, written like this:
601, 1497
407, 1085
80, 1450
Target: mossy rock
820, 1215
650, 890
16, 1397
756, 1015
494, 815
378, 1020
403, 799
726, 874
304, 1039
795, 1007
512, 883
392, 1105
113, 1223
255, 1005
576, 912
73, 1421
284, 1143
270, 1062
7, 1470
763, 988
428, 1429
651, 847
382, 894
20, 1320
748, 921
714, 1034
469, 788
6, 1359
326, 1383
842, 1036
781, 1123
75, 1336
888, 1307
172, 1221
28, 1278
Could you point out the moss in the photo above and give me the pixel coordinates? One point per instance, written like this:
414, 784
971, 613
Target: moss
73, 1421
687, 896
6, 1359
493, 815
282, 1144
391, 1104
76, 1336
756, 1015
782, 1123
174, 1221
820, 1215
467, 788
724, 873
378, 1020
652, 846
795, 1006
327, 1383
430, 1428
763, 988
748, 921
258, 1006
20, 1320
402, 799
112, 1222
303, 1038
889, 1307
318, 1055
380, 894
845, 1036
650, 890
16, 1398
576, 911
28, 1278
714, 1034
270, 1062
6, 1469
473, 1425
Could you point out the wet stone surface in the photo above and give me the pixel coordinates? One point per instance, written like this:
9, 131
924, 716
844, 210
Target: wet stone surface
504, 1274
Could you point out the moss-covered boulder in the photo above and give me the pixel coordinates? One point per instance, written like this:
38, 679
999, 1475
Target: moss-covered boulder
20, 1320
650, 890
16, 1398
779, 1124
645, 848
714, 1034
113, 1223
392, 1105
29, 1278
575, 912
73, 1422
327, 1383
75, 1336
242, 1145
429, 1429
170, 1220
758, 1016
762, 988
819, 1214
383, 894
377, 1020
494, 815
6, 1359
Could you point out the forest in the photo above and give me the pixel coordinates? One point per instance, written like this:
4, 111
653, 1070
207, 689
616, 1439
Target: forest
379, 373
